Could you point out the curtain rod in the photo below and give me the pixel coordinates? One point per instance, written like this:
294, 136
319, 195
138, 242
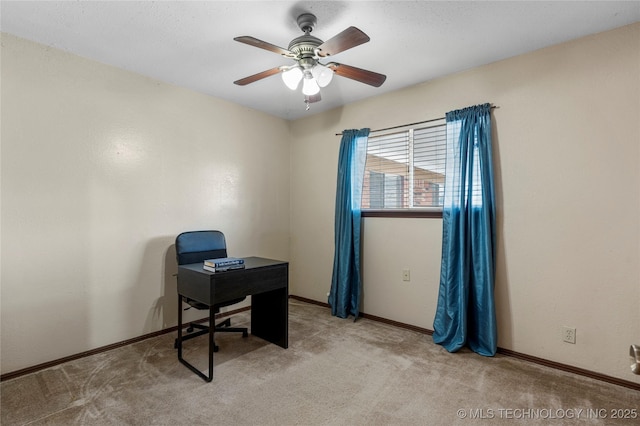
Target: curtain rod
410, 124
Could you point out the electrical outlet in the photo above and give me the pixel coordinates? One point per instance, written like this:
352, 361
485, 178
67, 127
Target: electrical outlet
569, 334
406, 275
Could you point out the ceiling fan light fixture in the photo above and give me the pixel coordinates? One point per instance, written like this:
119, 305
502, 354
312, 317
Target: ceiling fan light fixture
292, 77
310, 86
322, 74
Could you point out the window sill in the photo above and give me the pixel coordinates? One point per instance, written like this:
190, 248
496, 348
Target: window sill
404, 213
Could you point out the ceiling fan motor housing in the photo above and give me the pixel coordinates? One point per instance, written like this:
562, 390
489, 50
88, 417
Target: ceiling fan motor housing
305, 46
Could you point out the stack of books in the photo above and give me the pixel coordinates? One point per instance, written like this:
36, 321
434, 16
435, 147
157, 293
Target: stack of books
223, 264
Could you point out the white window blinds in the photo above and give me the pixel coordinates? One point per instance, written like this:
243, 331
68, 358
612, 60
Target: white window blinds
405, 169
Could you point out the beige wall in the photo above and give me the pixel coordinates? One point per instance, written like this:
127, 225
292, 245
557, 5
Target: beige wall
567, 149
101, 169
99, 165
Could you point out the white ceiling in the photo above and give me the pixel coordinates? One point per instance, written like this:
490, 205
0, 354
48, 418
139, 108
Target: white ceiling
190, 44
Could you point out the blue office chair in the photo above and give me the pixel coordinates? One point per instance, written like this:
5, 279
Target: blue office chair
196, 247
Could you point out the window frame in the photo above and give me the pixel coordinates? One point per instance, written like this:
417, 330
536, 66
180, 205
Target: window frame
420, 212
429, 212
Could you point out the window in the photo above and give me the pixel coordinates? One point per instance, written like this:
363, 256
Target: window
406, 169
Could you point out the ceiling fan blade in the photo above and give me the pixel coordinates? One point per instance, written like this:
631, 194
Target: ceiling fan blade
252, 41
368, 77
351, 37
256, 77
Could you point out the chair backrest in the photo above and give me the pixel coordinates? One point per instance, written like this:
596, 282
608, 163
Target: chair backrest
198, 246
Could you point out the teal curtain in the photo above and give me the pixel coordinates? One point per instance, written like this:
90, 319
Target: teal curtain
465, 314
344, 297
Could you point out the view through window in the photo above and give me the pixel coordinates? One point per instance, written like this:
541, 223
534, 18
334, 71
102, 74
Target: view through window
406, 169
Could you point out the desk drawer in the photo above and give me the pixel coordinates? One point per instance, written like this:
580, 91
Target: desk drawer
251, 281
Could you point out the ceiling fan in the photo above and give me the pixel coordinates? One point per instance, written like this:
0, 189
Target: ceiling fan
306, 51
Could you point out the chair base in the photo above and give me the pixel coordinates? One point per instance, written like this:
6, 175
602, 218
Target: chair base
223, 326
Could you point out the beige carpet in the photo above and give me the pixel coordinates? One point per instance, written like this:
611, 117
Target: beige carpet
335, 372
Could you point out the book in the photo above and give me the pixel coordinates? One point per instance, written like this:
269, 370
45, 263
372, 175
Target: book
223, 268
223, 262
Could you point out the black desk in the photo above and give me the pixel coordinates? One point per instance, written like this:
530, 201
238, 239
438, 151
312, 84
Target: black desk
265, 280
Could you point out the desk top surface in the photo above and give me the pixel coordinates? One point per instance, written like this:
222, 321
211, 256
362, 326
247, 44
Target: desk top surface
249, 263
